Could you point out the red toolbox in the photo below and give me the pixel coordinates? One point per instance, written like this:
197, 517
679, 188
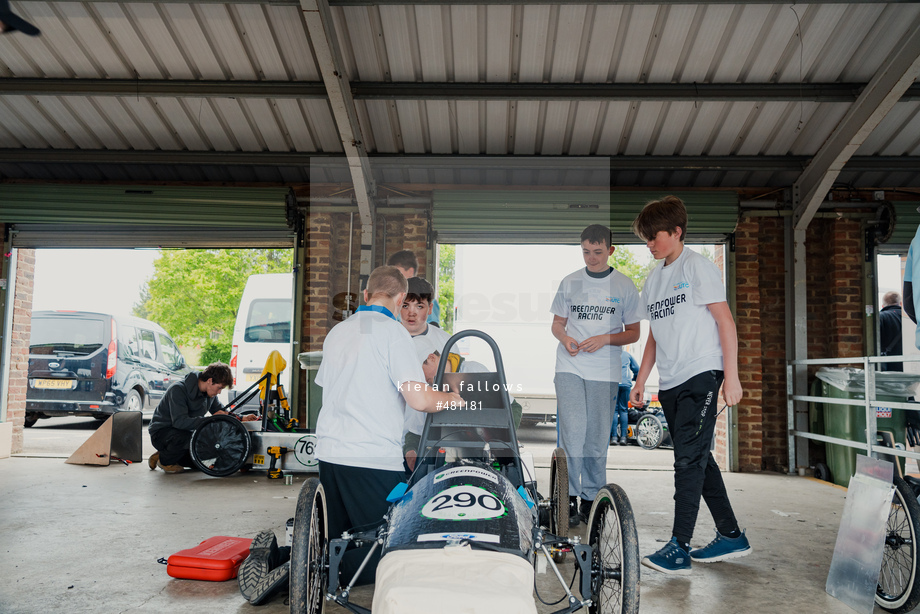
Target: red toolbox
216, 559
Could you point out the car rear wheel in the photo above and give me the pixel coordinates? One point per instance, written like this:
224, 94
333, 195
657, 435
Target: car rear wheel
31, 418
134, 401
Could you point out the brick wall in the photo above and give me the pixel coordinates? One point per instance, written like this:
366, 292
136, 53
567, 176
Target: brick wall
327, 263
317, 306
19, 345
750, 367
845, 262
328, 260
408, 231
772, 292
834, 289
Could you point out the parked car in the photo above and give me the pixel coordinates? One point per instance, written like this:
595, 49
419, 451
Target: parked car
95, 364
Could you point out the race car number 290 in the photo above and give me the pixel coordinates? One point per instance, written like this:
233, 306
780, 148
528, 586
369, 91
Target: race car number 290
464, 502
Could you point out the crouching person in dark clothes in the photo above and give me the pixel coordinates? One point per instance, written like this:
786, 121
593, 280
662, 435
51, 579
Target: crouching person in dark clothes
369, 373
181, 411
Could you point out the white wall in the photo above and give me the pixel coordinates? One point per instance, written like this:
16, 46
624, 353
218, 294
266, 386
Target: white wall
506, 291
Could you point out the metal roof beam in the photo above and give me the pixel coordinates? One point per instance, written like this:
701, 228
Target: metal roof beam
393, 161
168, 88
488, 2
782, 92
893, 78
590, 2
325, 44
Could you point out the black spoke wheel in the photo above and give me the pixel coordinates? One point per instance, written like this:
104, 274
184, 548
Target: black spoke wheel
898, 590
649, 432
220, 446
310, 551
559, 498
615, 556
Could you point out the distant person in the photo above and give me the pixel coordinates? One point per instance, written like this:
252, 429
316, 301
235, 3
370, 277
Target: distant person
595, 311
693, 340
629, 370
889, 323
407, 263
182, 410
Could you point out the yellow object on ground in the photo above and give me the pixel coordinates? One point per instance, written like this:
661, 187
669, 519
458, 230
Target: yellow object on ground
453, 580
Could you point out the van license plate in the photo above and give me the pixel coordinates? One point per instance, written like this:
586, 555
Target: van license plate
251, 377
59, 384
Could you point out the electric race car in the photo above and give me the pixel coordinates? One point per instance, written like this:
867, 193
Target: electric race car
469, 528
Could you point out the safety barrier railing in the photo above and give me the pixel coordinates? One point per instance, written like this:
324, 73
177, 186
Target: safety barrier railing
870, 403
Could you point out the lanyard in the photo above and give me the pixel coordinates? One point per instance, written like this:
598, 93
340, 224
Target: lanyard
378, 309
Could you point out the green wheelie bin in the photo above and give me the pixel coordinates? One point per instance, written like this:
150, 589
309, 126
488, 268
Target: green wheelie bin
849, 421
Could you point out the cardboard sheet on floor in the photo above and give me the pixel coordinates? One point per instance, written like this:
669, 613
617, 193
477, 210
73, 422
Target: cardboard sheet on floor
853, 576
119, 437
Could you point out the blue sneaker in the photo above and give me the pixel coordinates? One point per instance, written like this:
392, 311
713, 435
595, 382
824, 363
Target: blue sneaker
722, 548
672, 559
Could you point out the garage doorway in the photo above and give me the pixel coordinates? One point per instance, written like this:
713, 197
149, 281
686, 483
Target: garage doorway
174, 311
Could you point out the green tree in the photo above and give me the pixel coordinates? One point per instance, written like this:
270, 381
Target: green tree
626, 263
446, 260
140, 307
195, 294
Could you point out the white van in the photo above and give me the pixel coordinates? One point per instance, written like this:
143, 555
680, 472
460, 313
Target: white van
263, 324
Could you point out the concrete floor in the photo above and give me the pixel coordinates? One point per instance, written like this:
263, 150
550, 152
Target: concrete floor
87, 539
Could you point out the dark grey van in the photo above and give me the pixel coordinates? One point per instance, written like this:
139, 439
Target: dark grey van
94, 364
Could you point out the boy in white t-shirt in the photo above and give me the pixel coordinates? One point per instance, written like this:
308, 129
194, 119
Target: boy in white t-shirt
407, 263
693, 340
427, 339
595, 312
369, 374
414, 317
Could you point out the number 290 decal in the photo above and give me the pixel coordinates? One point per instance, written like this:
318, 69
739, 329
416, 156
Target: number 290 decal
463, 503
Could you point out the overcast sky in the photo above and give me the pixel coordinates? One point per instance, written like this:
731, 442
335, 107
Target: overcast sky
103, 280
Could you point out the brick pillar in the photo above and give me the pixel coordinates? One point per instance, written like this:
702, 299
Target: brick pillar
317, 282
772, 387
19, 345
845, 284
408, 232
748, 261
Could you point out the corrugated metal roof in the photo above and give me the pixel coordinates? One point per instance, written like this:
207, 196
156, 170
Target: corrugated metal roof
488, 44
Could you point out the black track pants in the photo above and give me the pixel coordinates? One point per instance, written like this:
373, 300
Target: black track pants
690, 410
356, 497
